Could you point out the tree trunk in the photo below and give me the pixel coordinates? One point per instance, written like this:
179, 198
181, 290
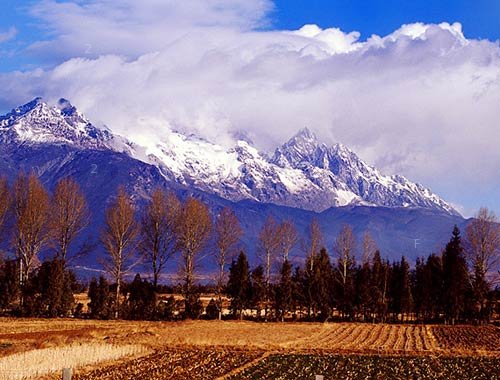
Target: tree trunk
117, 299
220, 307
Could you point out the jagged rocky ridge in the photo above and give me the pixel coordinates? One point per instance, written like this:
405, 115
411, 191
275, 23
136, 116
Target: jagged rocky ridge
303, 173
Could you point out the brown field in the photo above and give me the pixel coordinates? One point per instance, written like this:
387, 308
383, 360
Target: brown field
212, 349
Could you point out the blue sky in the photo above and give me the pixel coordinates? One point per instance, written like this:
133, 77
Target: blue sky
14, 14
480, 18
421, 101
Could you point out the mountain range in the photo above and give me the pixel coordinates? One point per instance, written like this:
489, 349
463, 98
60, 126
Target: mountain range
302, 179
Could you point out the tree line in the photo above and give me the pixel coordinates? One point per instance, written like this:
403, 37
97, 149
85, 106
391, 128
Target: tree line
352, 282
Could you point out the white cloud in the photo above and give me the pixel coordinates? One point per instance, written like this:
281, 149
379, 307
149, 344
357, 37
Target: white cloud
422, 101
334, 40
8, 35
131, 27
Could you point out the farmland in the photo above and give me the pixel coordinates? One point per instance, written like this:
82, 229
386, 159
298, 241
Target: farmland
188, 364
36, 363
248, 350
370, 367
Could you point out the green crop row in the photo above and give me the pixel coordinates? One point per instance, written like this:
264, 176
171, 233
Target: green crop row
339, 367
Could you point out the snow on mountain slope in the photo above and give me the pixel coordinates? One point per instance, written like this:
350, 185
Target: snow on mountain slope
38, 123
303, 172
338, 163
236, 174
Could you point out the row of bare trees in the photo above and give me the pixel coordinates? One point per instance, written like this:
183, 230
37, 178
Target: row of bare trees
167, 226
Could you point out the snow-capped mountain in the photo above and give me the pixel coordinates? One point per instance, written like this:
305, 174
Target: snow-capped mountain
338, 167
36, 122
302, 173
56, 142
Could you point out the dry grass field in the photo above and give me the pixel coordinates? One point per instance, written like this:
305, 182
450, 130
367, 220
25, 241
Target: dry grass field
232, 349
41, 362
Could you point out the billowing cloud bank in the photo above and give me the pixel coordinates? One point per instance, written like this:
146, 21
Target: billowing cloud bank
423, 101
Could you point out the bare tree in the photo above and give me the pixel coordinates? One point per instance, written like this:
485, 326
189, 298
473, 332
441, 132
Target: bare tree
369, 248
31, 206
315, 242
269, 245
119, 238
344, 248
158, 238
193, 228
227, 234
483, 240
69, 216
287, 236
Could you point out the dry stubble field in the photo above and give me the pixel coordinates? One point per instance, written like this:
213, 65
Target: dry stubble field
248, 350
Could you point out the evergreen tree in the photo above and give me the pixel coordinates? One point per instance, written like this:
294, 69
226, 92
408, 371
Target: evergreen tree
455, 278
321, 286
406, 298
363, 295
212, 309
307, 285
193, 308
51, 290
141, 299
418, 278
400, 291
238, 286
100, 305
283, 294
432, 288
298, 298
9, 283
92, 294
257, 289
379, 286
394, 290
51, 277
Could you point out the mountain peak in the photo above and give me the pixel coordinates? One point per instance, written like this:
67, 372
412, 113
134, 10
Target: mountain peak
38, 123
340, 167
304, 146
22, 110
66, 107
306, 134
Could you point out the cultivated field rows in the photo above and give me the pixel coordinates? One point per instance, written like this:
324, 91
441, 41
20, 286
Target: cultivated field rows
331, 337
218, 349
379, 338
186, 364
362, 367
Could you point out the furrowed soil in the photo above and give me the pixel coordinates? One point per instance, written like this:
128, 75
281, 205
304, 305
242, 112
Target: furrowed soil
246, 350
352, 367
